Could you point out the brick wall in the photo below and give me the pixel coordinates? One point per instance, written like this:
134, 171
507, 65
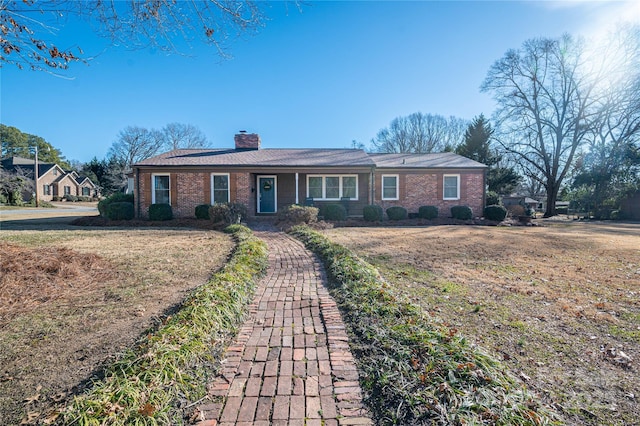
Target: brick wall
418, 190
190, 189
190, 192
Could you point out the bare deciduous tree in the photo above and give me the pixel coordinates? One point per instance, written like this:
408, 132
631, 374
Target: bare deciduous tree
420, 133
178, 135
545, 94
136, 144
28, 26
556, 98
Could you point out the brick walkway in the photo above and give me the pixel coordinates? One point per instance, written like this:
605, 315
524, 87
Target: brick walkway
290, 364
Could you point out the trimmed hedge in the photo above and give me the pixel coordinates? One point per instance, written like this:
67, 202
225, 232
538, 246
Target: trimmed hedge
495, 212
428, 212
114, 198
461, 212
334, 212
120, 210
373, 213
160, 212
228, 213
297, 215
397, 213
202, 211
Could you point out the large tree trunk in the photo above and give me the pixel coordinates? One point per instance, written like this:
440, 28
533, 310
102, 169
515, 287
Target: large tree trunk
552, 196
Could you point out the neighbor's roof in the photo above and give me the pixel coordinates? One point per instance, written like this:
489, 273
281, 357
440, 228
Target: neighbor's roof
26, 164
261, 158
443, 160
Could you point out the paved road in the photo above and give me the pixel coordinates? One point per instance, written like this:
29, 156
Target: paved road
44, 218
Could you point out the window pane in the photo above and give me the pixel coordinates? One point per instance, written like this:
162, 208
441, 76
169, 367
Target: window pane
161, 189
315, 187
451, 187
220, 189
349, 184
389, 187
221, 182
333, 187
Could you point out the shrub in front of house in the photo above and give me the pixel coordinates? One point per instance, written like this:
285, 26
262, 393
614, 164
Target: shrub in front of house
202, 211
229, 213
495, 212
71, 198
160, 212
397, 213
297, 215
114, 198
428, 212
372, 213
334, 212
461, 212
120, 210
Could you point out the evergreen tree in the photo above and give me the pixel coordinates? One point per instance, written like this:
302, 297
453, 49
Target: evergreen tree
477, 146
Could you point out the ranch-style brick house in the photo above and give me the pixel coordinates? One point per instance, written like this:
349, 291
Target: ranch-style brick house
266, 180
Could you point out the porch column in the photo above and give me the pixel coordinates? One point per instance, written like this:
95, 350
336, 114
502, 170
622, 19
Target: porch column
297, 201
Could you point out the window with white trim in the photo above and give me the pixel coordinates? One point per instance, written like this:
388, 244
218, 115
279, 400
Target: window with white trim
332, 187
219, 188
67, 190
46, 189
451, 187
390, 187
160, 191
86, 191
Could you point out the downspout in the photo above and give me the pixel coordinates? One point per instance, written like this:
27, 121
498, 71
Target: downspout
297, 199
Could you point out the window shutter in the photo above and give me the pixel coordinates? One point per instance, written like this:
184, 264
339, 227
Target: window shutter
173, 182
146, 194
233, 177
207, 188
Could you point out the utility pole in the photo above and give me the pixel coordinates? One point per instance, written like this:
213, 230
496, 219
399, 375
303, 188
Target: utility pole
35, 173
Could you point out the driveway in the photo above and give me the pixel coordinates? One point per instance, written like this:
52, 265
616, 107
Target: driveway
59, 217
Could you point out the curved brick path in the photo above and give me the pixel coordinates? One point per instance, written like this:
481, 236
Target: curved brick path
290, 364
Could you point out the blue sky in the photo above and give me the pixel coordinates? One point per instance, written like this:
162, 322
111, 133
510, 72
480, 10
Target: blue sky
320, 77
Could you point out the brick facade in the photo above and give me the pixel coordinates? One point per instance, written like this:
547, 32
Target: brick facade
426, 189
191, 188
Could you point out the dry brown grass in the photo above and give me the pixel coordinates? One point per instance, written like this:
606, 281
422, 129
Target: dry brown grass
556, 303
72, 300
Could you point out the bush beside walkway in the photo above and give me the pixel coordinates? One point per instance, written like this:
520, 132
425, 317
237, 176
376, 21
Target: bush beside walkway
415, 369
154, 382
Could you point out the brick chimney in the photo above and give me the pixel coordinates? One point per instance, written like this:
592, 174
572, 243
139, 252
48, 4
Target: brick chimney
246, 140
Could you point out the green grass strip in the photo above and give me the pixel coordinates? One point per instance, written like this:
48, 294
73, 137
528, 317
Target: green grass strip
152, 383
415, 369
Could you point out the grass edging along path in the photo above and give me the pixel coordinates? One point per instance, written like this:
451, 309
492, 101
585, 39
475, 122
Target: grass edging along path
153, 382
414, 368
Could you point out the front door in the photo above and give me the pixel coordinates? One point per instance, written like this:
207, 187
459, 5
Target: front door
267, 194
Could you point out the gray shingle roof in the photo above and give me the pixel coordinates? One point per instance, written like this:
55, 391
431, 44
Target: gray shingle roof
261, 158
443, 160
308, 157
